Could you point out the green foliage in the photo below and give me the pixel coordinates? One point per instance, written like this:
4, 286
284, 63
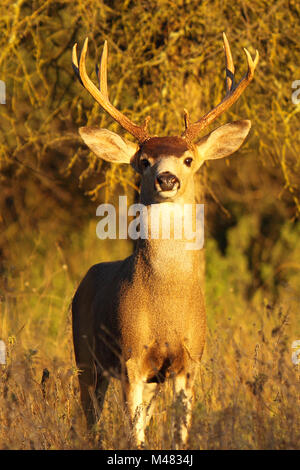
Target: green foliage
163, 57
253, 267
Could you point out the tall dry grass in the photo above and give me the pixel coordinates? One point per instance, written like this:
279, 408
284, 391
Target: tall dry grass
247, 397
247, 392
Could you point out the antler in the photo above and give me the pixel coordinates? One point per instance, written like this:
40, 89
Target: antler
233, 92
101, 94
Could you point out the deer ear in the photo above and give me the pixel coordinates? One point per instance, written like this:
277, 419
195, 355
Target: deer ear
223, 141
108, 145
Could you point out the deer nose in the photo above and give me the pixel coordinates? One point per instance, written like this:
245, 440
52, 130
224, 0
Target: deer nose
166, 181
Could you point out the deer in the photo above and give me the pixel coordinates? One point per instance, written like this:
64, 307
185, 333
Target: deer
142, 319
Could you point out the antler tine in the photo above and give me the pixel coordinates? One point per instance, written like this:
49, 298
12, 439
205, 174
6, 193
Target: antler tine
233, 92
102, 72
186, 118
101, 96
229, 65
75, 62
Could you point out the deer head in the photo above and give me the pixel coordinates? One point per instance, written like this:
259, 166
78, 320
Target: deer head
166, 164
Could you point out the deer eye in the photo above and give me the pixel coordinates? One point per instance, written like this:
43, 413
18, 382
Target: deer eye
145, 163
188, 161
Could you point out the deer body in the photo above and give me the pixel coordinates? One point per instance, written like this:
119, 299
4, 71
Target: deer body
143, 319
140, 306
146, 308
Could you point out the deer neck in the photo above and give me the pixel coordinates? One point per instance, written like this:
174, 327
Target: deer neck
170, 253
164, 258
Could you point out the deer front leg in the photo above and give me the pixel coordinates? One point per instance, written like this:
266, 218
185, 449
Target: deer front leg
149, 395
139, 400
87, 392
136, 409
184, 388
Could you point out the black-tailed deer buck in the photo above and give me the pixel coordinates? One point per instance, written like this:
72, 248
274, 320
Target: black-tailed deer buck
143, 318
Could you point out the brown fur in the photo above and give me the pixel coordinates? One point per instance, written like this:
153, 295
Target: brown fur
142, 319
139, 319
136, 319
158, 146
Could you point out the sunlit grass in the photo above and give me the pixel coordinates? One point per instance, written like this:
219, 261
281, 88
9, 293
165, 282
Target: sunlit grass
247, 392
247, 397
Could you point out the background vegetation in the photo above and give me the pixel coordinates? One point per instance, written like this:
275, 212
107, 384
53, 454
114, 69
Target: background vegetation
163, 56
